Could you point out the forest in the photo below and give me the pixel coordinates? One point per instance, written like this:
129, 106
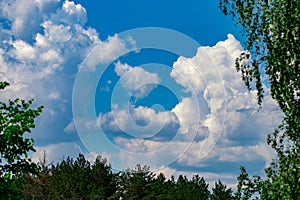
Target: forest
80, 179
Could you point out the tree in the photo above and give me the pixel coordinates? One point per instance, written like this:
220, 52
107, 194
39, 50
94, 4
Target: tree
272, 31
16, 119
71, 179
161, 188
220, 192
103, 179
38, 185
191, 189
135, 183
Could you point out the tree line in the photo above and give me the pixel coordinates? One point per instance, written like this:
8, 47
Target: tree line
81, 179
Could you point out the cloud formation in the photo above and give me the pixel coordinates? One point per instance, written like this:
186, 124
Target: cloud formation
136, 80
46, 42
227, 126
141, 122
43, 44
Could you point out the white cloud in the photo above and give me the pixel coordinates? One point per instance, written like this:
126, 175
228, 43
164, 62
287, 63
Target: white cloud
72, 13
196, 156
244, 126
55, 45
26, 16
23, 51
225, 116
70, 127
188, 115
40, 53
57, 33
186, 74
139, 121
138, 145
246, 153
91, 156
104, 52
46, 6
121, 69
138, 82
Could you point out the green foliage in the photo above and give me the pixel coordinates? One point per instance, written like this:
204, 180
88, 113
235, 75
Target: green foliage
160, 188
140, 183
16, 119
247, 186
80, 179
194, 189
220, 192
272, 29
71, 179
135, 183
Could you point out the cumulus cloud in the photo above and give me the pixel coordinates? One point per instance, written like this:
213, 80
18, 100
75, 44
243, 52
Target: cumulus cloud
72, 13
244, 126
25, 17
136, 80
222, 113
142, 122
188, 115
49, 52
43, 44
105, 51
60, 43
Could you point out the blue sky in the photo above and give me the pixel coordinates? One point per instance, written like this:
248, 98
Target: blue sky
201, 20
167, 96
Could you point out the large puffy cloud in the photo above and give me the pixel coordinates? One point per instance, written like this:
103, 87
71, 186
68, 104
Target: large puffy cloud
25, 17
60, 43
41, 50
222, 88
55, 44
233, 111
72, 13
230, 128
